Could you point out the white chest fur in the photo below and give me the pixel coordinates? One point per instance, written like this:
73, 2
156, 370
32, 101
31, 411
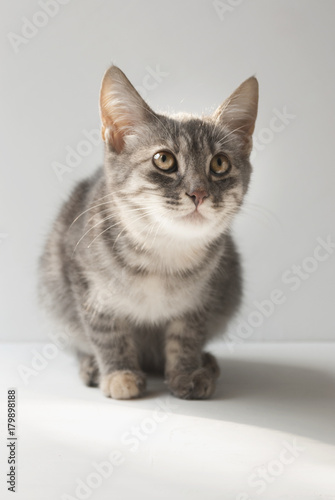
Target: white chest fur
148, 298
158, 294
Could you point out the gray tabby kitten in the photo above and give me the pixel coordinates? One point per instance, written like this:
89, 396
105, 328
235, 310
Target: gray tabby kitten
140, 264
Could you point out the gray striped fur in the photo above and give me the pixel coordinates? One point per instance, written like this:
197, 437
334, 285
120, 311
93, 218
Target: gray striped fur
136, 279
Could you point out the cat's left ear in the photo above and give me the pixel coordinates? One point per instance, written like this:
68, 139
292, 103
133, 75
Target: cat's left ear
122, 109
239, 111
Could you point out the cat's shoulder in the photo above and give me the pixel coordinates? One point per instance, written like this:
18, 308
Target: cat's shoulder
80, 196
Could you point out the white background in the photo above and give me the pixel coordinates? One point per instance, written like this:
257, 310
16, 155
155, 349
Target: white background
49, 92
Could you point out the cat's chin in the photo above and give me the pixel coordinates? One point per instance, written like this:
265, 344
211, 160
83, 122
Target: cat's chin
195, 225
194, 217
192, 226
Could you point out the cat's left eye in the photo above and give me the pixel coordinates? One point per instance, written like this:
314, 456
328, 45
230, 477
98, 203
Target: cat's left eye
220, 164
165, 161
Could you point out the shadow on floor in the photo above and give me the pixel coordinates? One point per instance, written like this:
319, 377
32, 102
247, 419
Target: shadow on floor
279, 396
283, 397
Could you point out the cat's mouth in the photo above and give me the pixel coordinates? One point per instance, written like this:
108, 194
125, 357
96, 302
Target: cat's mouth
194, 216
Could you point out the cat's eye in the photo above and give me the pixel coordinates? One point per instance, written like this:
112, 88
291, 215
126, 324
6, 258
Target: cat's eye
165, 161
220, 164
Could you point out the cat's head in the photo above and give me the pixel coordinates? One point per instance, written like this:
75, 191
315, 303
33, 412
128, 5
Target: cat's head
176, 175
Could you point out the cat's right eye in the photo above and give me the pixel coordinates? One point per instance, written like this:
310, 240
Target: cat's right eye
164, 160
220, 164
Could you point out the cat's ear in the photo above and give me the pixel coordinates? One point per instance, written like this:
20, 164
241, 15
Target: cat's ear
122, 109
239, 111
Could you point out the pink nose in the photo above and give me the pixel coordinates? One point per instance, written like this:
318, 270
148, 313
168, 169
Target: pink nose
198, 196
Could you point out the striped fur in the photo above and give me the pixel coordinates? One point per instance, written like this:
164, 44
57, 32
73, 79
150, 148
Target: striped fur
134, 271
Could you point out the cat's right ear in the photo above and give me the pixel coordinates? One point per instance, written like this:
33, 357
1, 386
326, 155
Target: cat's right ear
122, 109
239, 111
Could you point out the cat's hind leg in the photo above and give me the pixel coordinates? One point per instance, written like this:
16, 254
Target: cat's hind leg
89, 370
209, 362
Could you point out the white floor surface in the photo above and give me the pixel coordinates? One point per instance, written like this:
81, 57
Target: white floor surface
268, 432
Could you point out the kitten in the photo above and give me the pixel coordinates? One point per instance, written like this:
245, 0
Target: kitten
140, 263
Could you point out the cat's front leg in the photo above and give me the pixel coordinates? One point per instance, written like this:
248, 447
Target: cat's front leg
190, 373
117, 358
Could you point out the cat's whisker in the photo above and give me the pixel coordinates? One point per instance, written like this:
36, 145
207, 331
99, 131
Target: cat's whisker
126, 227
155, 116
150, 224
271, 217
89, 230
88, 209
180, 257
95, 225
96, 206
107, 195
118, 223
116, 210
224, 139
108, 210
248, 212
160, 225
149, 233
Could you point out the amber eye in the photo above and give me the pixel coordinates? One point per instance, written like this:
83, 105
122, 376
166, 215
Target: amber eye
220, 164
165, 161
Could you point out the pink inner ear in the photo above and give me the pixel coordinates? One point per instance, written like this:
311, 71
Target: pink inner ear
117, 139
114, 131
122, 108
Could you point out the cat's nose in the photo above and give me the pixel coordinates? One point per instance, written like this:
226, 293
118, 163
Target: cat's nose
198, 196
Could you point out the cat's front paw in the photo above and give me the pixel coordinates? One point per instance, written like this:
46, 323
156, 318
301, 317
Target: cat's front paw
199, 384
123, 384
